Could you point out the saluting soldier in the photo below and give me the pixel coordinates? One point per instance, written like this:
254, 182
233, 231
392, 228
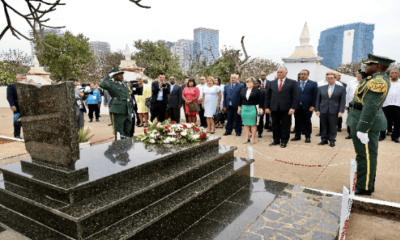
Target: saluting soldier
366, 119
122, 104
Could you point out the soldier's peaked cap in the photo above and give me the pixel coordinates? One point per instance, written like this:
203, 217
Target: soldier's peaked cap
116, 71
379, 59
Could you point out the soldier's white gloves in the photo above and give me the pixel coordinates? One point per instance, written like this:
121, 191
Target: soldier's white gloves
363, 137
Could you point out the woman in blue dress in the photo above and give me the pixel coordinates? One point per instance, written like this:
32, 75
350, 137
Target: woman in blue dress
212, 100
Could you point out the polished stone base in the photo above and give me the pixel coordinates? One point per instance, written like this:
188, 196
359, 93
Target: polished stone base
131, 190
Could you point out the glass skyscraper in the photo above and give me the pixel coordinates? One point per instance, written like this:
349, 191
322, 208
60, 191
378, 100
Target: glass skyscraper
343, 44
204, 38
183, 48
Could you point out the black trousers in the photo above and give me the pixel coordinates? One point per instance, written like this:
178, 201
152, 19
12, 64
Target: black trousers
302, 119
392, 114
203, 120
17, 128
281, 121
158, 110
339, 122
233, 118
94, 108
260, 126
328, 127
267, 121
174, 114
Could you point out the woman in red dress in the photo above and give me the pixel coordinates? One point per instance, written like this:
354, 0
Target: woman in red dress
190, 95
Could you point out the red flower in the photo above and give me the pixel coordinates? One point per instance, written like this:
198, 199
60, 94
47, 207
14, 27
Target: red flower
145, 130
172, 122
203, 136
167, 131
184, 127
197, 130
156, 123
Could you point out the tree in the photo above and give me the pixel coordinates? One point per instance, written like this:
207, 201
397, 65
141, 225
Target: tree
349, 68
36, 18
259, 65
156, 58
65, 56
13, 62
101, 65
235, 55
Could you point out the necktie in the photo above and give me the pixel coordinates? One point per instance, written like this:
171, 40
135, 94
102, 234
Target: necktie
330, 91
262, 84
280, 85
303, 84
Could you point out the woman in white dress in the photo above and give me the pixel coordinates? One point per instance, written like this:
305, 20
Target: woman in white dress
212, 101
220, 122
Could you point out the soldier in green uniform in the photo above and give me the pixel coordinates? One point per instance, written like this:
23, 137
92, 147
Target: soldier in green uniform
367, 120
122, 104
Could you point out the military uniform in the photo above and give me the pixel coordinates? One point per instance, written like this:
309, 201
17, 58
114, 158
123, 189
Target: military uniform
121, 106
366, 116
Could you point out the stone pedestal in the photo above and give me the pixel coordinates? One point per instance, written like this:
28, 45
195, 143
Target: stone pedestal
121, 190
38, 74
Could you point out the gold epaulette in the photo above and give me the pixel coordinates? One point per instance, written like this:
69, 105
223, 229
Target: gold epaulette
378, 85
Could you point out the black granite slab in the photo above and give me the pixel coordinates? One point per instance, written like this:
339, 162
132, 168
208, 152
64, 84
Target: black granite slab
48, 114
176, 212
105, 174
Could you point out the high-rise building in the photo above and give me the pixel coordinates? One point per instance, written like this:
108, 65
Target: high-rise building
204, 38
183, 48
346, 44
98, 47
167, 43
45, 31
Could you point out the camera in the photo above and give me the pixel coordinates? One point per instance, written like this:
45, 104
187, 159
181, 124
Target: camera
163, 85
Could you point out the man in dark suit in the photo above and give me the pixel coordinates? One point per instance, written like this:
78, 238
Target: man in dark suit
308, 91
260, 127
231, 99
12, 98
340, 119
264, 85
331, 100
175, 101
159, 98
281, 101
183, 87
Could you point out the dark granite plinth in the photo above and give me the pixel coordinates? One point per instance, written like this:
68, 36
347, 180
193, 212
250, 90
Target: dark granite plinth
50, 123
131, 188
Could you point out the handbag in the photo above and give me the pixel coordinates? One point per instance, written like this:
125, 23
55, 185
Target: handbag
194, 107
147, 102
219, 116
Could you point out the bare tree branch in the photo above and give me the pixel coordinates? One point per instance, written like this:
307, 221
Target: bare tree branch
137, 2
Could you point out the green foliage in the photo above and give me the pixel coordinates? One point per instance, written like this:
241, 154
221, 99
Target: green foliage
156, 58
13, 62
65, 56
83, 135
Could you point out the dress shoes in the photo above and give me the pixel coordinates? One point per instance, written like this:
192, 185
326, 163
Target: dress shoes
323, 143
295, 139
318, 135
381, 139
308, 140
339, 130
238, 134
259, 136
294, 131
91, 120
269, 130
332, 144
273, 144
97, 120
348, 137
226, 134
389, 133
396, 140
360, 191
283, 145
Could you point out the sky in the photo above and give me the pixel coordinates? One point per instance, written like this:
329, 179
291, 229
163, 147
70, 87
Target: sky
271, 28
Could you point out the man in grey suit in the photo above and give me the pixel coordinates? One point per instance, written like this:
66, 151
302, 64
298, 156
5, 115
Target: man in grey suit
331, 100
175, 101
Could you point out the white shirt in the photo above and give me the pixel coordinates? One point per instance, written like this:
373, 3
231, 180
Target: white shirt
324, 82
393, 97
248, 94
201, 89
350, 90
279, 82
264, 82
